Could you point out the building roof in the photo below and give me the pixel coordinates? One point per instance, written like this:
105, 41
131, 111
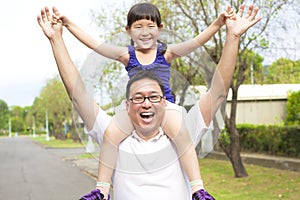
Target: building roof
265, 92
259, 92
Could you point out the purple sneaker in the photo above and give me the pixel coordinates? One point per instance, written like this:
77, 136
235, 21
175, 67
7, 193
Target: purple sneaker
202, 195
94, 195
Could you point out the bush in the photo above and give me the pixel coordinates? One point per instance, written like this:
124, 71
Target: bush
273, 140
293, 108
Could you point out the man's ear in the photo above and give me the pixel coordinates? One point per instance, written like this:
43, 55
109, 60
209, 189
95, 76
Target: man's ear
165, 101
161, 26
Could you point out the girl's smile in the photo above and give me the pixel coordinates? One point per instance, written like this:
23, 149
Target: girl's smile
144, 33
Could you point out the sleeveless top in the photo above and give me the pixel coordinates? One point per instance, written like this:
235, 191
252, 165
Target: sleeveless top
160, 67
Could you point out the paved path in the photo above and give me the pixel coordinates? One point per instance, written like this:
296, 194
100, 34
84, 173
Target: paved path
31, 172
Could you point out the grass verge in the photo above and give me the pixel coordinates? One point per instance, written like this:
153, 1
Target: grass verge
262, 183
68, 143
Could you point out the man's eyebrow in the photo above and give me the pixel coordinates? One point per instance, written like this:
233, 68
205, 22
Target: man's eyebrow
152, 92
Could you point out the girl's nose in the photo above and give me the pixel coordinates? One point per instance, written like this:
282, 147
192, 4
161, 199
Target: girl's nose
145, 31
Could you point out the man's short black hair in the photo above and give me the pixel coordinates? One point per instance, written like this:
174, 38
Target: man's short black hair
144, 74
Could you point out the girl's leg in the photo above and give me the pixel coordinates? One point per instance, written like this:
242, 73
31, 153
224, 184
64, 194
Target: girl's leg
175, 127
118, 129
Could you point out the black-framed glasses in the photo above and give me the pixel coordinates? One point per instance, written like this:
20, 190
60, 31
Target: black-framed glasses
141, 99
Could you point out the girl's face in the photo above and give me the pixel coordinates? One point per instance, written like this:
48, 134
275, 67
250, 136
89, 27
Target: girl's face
144, 33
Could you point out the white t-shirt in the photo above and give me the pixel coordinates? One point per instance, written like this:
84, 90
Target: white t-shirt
150, 169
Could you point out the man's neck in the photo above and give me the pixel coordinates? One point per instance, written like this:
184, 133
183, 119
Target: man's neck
147, 136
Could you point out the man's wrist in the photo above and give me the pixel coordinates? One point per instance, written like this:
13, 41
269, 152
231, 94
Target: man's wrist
56, 39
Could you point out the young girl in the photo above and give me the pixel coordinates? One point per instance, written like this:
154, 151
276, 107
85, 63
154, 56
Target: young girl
146, 53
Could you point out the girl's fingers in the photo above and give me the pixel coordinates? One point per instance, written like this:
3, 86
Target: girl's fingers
229, 14
55, 11
54, 20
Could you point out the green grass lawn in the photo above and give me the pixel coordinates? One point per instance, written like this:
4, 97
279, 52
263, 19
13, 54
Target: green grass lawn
68, 143
262, 183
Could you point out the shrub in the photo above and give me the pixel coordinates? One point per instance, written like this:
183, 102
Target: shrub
273, 140
293, 108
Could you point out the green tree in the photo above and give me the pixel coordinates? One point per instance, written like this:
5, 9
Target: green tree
186, 19
53, 102
17, 120
282, 71
254, 74
4, 115
293, 109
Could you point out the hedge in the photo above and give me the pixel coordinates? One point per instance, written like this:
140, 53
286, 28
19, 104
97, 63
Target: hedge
273, 140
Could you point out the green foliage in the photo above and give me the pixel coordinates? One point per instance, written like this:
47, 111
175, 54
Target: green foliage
18, 115
54, 103
293, 108
283, 71
255, 71
4, 115
113, 84
274, 140
225, 138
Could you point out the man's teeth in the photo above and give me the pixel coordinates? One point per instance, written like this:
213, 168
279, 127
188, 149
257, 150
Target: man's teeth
147, 115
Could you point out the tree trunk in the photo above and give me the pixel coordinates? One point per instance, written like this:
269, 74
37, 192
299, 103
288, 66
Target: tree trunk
235, 156
233, 149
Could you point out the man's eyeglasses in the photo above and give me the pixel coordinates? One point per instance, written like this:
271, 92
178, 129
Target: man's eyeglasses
141, 99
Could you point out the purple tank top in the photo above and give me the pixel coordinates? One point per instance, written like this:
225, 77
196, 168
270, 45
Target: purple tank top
160, 67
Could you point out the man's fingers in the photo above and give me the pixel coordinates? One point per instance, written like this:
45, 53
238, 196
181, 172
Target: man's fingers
250, 11
241, 10
39, 19
254, 13
48, 15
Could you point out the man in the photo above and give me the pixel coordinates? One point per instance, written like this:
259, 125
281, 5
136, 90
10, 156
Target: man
148, 166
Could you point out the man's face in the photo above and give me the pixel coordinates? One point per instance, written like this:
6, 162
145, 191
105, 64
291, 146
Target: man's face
146, 116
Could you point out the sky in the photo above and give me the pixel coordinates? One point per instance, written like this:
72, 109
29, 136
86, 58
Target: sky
26, 58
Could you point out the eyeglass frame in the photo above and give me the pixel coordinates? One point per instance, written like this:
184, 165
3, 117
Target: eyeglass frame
147, 97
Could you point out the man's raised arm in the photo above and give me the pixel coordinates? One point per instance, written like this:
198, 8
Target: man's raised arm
222, 78
83, 103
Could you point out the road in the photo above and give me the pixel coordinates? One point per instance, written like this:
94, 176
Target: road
29, 171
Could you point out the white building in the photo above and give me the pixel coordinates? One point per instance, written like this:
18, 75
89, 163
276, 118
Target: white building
261, 104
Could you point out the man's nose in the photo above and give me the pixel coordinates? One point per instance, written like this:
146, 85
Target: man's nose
147, 103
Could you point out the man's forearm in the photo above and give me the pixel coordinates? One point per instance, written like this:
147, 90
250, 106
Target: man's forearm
82, 101
66, 68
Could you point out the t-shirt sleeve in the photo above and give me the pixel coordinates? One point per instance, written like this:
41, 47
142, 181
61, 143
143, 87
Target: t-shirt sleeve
195, 123
100, 125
